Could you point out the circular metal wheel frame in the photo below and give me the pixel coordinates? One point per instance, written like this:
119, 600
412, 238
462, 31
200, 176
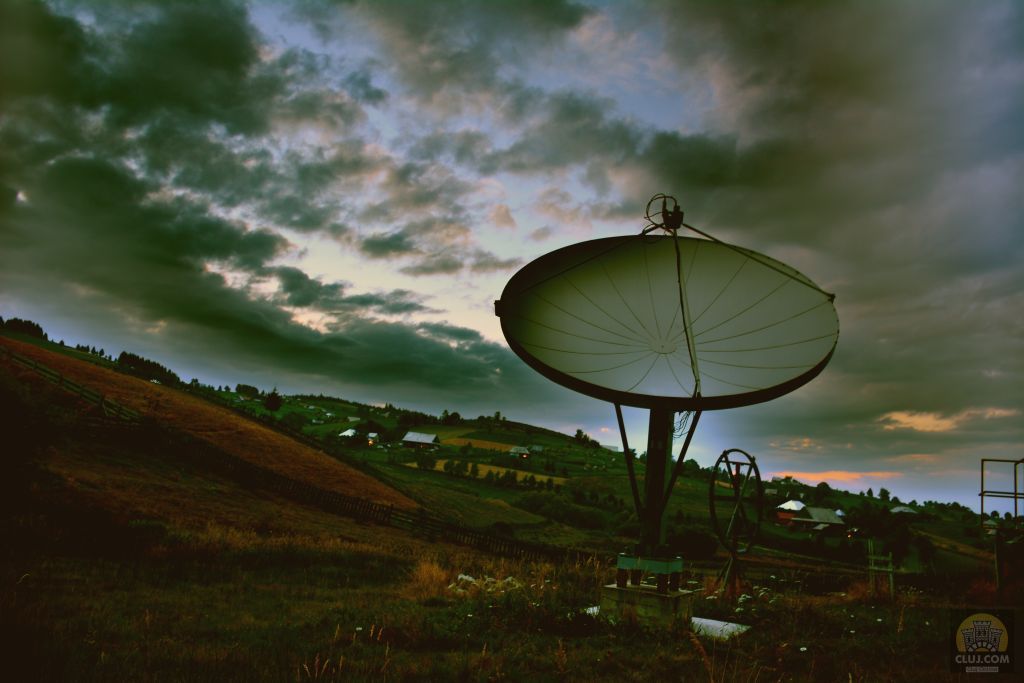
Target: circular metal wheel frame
734, 499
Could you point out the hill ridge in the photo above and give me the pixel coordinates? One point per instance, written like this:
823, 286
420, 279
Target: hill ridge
219, 426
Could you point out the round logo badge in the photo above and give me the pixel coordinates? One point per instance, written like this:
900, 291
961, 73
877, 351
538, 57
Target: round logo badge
980, 633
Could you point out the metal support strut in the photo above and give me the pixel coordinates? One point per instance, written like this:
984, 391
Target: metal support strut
651, 554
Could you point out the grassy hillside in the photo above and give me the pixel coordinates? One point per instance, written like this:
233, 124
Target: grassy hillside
120, 559
214, 425
595, 505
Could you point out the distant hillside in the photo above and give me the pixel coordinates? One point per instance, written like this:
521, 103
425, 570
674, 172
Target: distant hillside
589, 506
218, 426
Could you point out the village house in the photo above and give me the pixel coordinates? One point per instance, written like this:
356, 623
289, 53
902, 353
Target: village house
818, 520
787, 511
420, 440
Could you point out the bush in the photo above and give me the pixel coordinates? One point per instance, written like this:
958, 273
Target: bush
273, 401
558, 509
294, 421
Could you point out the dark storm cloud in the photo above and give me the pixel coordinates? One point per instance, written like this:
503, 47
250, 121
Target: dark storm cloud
303, 194
182, 89
444, 52
325, 106
466, 147
294, 211
417, 187
450, 332
571, 128
149, 259
180, 153
42, 54
299, 289
837, 127
395, 302
425, 200
435, 264
107, 206
360, 85
129, 138
199, 60
101, 242
388, 246
291, 189
436, 248
847, 146
840, 142
877, 149
426, 363
485, 262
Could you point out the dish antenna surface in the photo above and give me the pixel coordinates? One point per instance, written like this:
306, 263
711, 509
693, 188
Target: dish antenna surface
670, 323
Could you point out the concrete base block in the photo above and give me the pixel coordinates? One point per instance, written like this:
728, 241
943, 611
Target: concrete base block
646, 604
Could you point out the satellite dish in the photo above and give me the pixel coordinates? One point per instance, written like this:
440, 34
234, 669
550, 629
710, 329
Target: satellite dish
666, 321
673, 324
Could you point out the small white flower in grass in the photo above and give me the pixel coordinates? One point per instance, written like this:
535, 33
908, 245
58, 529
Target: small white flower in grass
803, 649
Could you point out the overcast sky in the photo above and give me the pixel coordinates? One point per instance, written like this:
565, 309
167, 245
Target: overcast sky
330, 196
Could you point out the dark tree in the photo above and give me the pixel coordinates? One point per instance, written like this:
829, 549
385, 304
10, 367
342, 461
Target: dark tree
26, 327
273, 401
147, 369
452, 418
821, 493
247, 390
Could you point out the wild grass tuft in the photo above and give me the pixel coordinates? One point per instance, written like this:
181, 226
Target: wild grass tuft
428, 580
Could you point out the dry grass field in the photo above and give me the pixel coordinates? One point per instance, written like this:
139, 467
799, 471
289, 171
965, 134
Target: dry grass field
478, 443
218, 426
519, 474
122, 561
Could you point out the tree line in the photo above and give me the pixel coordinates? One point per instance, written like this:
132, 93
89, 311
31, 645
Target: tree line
25, 327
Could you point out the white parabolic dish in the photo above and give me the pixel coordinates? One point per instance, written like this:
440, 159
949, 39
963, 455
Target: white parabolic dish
606, 318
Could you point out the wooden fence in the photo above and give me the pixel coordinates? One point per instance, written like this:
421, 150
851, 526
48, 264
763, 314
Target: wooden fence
109, 407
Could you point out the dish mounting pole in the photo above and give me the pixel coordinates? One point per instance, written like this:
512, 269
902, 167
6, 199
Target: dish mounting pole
659, 446
659, 478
